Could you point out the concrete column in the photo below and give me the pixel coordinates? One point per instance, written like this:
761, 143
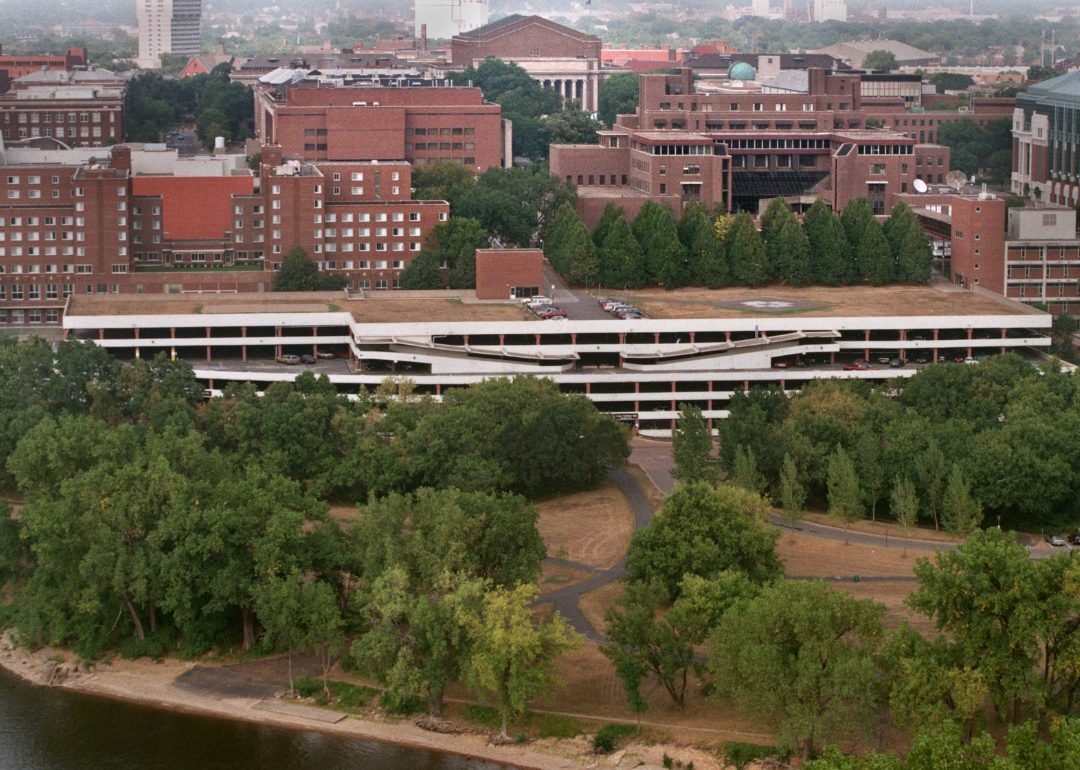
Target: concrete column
868, 344
588, 388
832, 357
1004, 334
746, 386
970, 337
502, 340
208, 346
438, 389
101, 334
210, 384
243, 348
277, 347
315, 345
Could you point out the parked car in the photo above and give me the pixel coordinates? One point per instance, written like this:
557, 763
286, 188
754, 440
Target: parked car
884, 359
551, 312
341, 354
858, 366
555, 318
307, 358
1055, 540
288, 359
781, 364
539, 299
970, 360
1073, 539
897, 363
326, 354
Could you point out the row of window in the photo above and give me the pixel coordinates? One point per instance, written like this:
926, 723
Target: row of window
29, 316
467, 131
49, 117
61, 133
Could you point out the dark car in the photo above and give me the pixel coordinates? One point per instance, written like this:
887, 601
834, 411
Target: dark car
1073, 539
897, 363
307, 358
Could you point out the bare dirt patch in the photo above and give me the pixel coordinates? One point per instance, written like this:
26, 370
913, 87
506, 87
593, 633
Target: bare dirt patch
807, 556
592, 527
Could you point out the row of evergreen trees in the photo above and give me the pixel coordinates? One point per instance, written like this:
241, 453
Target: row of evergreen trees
719, 250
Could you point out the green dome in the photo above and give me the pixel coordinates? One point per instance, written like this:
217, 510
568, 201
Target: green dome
740, 70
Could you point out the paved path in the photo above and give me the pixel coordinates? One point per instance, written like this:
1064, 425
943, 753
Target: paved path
565, 600
579, 305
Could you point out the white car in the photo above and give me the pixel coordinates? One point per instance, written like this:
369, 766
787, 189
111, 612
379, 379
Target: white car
537, 300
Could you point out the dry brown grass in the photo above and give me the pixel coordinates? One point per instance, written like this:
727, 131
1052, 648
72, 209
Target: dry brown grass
892, 595
832, 301
656, 497
431, 311
807, 556
556, 576
883, 527
593, 604
593, 527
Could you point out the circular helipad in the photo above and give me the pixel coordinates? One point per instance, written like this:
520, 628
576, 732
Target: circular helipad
768, 304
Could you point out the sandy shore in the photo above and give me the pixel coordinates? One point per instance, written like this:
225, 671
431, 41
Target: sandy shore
151, 684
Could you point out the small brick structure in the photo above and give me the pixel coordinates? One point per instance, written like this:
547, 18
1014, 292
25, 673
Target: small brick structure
509, 273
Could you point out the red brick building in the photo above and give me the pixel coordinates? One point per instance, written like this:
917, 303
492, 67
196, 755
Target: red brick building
95, 228
17, 66
82, 108
421, 125
734, 146
509, 273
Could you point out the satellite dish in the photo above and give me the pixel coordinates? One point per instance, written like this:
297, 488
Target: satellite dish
956, 179
920, 186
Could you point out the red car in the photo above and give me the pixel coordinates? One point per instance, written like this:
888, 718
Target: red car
858, 366
551, 312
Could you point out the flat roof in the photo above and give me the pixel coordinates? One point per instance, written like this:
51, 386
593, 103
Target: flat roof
818, 302
378, 307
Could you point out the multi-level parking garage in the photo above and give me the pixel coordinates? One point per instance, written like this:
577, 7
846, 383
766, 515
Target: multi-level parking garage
693, 346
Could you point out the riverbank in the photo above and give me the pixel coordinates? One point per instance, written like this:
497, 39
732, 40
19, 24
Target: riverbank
150, 684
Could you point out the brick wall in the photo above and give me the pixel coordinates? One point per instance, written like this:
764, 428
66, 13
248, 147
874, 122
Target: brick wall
499, 270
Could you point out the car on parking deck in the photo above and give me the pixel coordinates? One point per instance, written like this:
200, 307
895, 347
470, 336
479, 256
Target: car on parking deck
897, 363
288, 359
307, 358
326, 354
858, 366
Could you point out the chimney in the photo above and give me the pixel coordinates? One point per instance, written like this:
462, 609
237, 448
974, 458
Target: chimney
423, 37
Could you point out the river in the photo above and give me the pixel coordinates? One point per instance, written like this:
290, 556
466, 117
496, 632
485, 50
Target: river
55, 729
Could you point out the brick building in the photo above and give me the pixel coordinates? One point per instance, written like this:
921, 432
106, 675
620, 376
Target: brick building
559, 57
96, 226
735, 145
16, 66
82, 108
1046, 140
924, 125
509, 273
419, 124
1029, 254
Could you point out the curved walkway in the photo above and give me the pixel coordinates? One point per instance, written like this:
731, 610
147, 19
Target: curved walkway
565, 600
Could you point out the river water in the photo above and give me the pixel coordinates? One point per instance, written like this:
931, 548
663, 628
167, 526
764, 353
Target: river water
48, 729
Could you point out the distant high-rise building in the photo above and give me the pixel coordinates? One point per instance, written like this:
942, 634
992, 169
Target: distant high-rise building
760, 8
167, 26
830, 10
446, 18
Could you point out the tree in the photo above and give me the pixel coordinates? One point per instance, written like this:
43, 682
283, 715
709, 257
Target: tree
571, 249
904, 506
299, 614
665, 258
706, 258
622, 263
727, 528
618, 96
845, 496
960, 512
874, 256
300, 273
571, 127
422, 272
830, 250
514, 205
793, 250
778, 214
513, 657
443, 181
749, 265
882, 60
910, 247
869, 461
745, 473
792, 491
647, 642
691, 447
931, 470
420, 639
608, 217
800, 655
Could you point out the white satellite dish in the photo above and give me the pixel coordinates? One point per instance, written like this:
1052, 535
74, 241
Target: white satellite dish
920, 186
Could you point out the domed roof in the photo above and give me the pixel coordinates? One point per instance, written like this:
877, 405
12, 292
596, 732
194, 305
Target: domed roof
740, 70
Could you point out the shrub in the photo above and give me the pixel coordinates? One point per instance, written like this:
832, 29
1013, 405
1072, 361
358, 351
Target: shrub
607, 737
554, 726
150, 647
742, 754
404, 705
485, 716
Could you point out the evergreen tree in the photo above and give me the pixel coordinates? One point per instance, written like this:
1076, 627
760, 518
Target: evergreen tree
705, 249
793, 250
622, 264
856, 215
556, 237
777, 216
570, 248
691, 447
423, 273
792, 491
745, 472
874, 256
658, 234
909, 244
749, 266
829, 248
298, 272
904, 506
607, 219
